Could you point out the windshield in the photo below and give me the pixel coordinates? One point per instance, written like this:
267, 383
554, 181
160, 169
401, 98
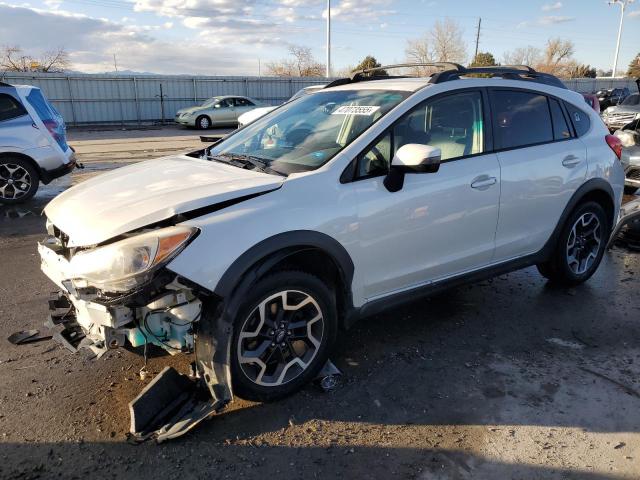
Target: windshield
632, 100
210, 102
304, 134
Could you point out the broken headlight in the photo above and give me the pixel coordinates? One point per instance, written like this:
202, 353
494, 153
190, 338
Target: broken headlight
124, 265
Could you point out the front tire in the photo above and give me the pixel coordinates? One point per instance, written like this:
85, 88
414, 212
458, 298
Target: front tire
19, 180
203, 122
580, 246
283, 335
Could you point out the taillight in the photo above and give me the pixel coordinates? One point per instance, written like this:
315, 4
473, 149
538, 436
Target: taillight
615, 144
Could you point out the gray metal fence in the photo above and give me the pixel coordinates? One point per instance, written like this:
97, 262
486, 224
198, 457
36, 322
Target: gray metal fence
124, 99
104, 99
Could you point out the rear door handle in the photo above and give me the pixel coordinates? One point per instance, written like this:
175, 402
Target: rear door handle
571, 161
483, 182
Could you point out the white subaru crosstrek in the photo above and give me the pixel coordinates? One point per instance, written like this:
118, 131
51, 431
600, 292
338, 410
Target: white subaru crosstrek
257, 252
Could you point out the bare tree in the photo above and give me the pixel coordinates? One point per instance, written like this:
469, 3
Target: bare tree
13, 59
557, 58
443, 43
528, 55
303, 64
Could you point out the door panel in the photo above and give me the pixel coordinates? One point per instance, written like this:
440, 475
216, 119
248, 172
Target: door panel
543, 168
537, 183
436, 226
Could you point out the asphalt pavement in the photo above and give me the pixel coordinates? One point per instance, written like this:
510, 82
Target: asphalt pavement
509, 378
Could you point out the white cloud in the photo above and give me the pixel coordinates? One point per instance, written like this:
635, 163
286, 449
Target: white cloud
554, 19
635, 13
91, 43
552, 6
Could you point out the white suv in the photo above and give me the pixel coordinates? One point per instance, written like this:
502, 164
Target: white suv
259, 250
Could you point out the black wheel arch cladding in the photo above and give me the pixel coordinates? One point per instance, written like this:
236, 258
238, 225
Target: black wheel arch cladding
214, 333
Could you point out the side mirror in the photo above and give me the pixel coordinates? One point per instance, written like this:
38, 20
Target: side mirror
412, 158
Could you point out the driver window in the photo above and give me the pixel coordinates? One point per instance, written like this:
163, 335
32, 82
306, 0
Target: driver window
453, 123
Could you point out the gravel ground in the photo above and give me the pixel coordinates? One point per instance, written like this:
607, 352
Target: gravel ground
508, 378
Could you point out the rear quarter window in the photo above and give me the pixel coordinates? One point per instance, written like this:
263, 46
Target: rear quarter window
10, 108
520, 118
579, 118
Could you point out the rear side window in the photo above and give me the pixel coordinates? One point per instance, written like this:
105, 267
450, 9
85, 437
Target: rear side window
10, 108
561, 130
521, 119
243, 102
579, 118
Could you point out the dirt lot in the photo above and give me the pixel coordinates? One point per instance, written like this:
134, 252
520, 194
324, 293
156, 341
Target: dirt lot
505, 379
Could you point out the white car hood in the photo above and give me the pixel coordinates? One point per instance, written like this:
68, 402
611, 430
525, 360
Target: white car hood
138, 195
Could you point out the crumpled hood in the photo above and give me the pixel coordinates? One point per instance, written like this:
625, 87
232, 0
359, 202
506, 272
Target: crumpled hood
138, 195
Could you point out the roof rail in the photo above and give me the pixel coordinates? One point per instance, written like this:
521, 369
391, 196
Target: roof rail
453, 71
367, 74
508, 72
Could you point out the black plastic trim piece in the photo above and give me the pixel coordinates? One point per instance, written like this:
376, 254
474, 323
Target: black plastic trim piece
260, 257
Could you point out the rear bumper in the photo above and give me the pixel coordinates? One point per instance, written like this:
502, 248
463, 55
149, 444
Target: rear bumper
47, 176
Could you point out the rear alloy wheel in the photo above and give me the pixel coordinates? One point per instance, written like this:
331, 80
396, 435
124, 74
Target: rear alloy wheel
18, 181
283, 338
580, 247
203, 122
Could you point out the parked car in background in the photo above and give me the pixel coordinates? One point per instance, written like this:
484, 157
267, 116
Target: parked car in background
256, 113
623, 114
216, 112
592, 101
33, 143
629, 136
612, 96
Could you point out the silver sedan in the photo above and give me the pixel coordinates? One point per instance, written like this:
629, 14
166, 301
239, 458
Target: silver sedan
216, 112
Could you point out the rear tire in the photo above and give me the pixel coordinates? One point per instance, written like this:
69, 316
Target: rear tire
274, 354
19, 180
580, 246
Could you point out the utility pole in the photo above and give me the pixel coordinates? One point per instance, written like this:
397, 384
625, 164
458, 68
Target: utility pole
328, 72
477, 38
115, 63
623, 4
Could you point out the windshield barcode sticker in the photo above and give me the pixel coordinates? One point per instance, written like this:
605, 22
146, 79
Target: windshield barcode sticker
355, 110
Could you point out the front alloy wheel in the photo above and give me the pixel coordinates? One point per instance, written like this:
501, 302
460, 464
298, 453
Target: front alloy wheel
280, 338
283, 335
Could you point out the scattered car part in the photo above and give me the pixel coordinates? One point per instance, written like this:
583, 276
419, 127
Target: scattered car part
329, 377
168, 407
27, 336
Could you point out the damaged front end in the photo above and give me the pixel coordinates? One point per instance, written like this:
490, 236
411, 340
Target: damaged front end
122, 295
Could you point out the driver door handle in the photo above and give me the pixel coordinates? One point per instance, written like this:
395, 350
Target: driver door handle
483, 182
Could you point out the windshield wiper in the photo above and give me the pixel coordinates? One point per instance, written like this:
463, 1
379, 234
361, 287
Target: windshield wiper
244, 161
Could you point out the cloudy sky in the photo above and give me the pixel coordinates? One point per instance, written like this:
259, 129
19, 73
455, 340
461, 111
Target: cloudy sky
235, 36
